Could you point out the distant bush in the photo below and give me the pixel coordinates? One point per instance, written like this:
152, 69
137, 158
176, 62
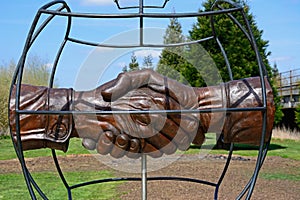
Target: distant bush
36, 72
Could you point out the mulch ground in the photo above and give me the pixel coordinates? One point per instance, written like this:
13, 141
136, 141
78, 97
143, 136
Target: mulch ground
209, 169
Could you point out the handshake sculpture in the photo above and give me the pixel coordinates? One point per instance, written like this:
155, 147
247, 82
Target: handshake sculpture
152, 131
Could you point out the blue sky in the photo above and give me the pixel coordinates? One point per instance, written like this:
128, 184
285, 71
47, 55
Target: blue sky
279, 19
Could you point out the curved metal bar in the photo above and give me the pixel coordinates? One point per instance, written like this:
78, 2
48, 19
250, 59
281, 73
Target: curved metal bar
61, 175
51, 82
260, 159
43, 25
247, 186
142, 44
144, 15
161, 178
127, 112
17, 80
232, 3
225, 58
132, 7
224, 171
262, 153
35, 185
236, 22
59, 52
34, 32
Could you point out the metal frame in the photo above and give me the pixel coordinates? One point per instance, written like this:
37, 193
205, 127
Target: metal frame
64, 10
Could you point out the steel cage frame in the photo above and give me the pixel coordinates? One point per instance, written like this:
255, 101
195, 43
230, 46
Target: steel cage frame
65, 11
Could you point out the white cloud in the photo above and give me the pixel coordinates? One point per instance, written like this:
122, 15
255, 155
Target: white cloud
142, 53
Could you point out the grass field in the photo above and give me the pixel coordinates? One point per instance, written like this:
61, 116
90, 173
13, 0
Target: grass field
285, 148
8, 152
13, 186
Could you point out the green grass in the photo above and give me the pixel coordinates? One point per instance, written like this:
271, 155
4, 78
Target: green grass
284, 148
8, 152
280, 176
13, 185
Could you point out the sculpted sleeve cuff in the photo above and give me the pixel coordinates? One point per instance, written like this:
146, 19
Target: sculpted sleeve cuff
242, 126
40, 130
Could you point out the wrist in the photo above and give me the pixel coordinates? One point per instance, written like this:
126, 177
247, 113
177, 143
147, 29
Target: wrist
45, 130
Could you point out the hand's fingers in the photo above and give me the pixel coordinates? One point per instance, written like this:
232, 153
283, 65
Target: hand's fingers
117, 152
134, 149
182, 140
191, 125
89, 144
162, 143
126, 82
92, 128
105, 143
188, 122
176, 134
122, 141
150, 150
120, 147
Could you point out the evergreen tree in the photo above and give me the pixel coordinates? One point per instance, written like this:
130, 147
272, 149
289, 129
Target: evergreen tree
133, 65
240, 54
172, 61
148, 62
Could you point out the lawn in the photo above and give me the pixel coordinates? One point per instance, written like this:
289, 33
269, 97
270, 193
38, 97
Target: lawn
284, 148
13, 185
8, 152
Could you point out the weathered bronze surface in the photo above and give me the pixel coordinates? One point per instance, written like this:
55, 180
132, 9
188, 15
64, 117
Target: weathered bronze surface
152, 133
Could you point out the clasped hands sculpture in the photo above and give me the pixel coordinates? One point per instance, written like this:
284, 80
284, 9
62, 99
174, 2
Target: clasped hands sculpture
150, 133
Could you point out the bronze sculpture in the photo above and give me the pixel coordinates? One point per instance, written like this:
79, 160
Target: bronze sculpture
132, 134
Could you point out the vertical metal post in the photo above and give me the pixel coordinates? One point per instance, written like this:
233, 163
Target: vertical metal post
144, 177
291, 88
141, 11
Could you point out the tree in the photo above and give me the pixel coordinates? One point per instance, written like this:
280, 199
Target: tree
172, 62
204, 64
297, 115
133, 65
36, 73
148, 62
125, 68
276, 82
240, 53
